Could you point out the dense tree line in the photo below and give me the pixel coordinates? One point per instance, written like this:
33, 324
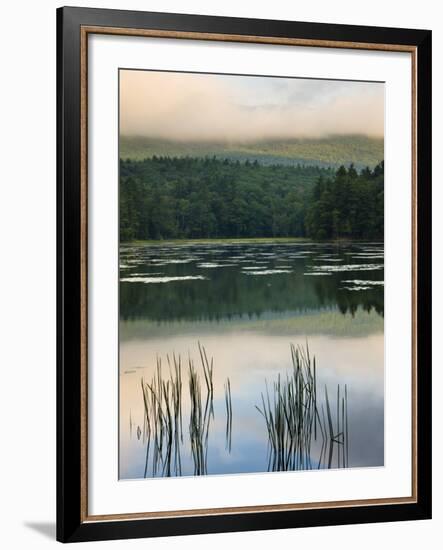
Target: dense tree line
350, 205
168, 198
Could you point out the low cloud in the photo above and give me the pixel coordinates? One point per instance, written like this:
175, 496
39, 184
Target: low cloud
198, 107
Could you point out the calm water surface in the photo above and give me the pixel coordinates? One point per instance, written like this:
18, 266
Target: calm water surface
245, 304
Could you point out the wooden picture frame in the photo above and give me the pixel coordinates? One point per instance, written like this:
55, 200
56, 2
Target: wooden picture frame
74, 25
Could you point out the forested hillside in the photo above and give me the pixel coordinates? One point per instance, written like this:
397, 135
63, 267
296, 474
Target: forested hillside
175, 198
350, 204
332, 151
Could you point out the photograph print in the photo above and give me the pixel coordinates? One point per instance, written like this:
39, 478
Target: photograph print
251, 269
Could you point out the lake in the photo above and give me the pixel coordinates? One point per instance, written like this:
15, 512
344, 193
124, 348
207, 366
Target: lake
238, 307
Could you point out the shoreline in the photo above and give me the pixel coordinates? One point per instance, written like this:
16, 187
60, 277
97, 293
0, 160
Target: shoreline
243, 240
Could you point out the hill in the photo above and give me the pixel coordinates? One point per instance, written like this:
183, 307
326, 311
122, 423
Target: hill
331, 151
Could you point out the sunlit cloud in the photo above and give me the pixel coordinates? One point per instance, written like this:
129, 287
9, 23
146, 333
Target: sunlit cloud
183, 106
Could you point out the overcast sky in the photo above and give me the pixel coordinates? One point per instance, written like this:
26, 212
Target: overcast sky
183, 106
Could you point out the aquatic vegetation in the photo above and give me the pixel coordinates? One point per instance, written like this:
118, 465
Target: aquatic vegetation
163, 416
348, 267
358, 284
228, 401
268, 272
161, 279
354, 288
199, 421
302, 430
213, 265
291, 410
163, 419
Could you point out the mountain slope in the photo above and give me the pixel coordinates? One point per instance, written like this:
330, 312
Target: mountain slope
329, 151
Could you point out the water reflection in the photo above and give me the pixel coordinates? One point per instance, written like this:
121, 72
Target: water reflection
198, 344
252, 279
301, 429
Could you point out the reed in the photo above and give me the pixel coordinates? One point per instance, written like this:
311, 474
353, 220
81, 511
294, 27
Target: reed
228, 403
305, 428
200, 418
295, 418
162, 419
163, 415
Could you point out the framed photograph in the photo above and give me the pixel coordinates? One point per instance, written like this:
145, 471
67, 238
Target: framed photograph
244, 274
